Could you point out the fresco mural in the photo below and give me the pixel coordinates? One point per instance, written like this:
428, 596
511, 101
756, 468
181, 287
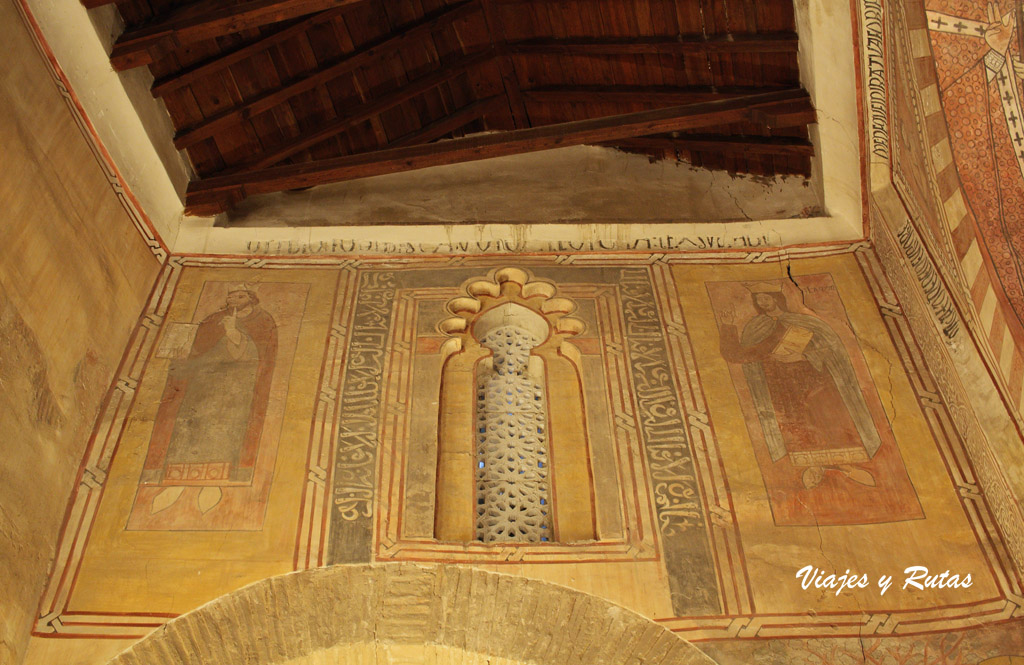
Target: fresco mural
823, 443
746, 421
752, 413
978, 49
991, 645
205, 452
183, 492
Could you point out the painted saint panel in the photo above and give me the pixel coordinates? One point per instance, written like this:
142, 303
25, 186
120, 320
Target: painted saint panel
977, 48
824, 446
210, 457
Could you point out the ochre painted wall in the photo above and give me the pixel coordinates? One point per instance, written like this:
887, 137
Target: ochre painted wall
704, 514
74, 274
346, 470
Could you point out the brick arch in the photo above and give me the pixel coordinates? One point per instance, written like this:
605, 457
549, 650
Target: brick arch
314, 616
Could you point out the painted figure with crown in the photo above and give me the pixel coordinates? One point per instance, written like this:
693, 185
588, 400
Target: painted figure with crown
808, 400
210, 420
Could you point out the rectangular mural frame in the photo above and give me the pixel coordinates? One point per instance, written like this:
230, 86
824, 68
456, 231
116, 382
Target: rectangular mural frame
55, 619
1007, 605
391, 541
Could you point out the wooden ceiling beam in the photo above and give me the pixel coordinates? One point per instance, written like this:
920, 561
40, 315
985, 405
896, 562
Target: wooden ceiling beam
779, 42
207, 20
761, 145
446, 72
188, 75
784, 116
506, 68
366, 56
448, 124
214, 194
653, 95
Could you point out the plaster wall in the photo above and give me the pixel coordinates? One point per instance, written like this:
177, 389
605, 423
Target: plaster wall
74, 274
125, 117
582, 184
698, 527
926, 230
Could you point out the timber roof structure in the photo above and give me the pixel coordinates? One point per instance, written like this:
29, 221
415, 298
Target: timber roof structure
274, 95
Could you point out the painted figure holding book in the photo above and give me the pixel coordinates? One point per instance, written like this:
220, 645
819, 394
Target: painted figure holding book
804, 388
210, 420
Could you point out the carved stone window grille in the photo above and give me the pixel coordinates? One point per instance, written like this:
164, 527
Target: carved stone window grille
512, 489
502, 453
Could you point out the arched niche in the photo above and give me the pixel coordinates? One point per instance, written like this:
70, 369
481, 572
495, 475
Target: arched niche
384, 614
510, 298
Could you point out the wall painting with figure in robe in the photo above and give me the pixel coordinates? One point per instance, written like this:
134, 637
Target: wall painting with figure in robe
211, 455
819, 432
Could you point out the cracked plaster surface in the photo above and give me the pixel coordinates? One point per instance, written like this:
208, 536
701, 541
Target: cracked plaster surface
578, 184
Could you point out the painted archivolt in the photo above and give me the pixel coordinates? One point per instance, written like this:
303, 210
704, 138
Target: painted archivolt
969, 59
503, 455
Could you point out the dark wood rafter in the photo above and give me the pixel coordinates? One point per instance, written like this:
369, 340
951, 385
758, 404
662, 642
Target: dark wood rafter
366, 111
324, 89
206, 68
361, 58
785, 116
761, 145
507, 69
656, 96
216, 194
448, 124
785, 42
193, 23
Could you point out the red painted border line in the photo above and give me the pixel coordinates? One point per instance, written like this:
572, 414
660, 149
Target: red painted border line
108, 162
904, 338
50, 590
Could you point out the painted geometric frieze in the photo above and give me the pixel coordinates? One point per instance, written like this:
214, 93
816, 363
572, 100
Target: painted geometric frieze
933, 228
1000, 644
977, 50
954, 69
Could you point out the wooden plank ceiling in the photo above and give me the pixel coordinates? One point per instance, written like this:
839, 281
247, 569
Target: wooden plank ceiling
269, 95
